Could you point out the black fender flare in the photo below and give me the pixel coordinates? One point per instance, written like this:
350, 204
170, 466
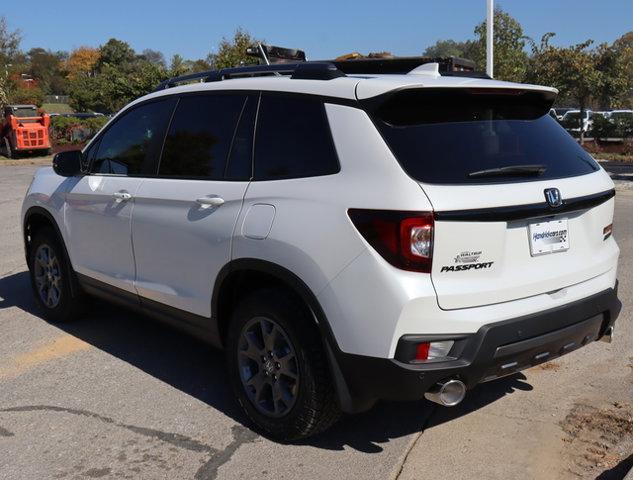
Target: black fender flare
309, 298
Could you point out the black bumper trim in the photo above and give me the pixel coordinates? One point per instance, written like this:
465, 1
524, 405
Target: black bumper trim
483, 354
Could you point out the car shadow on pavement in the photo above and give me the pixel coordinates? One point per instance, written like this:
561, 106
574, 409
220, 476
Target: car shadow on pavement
197, 369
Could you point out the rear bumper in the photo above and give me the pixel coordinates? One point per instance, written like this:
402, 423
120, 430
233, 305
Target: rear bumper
495, 350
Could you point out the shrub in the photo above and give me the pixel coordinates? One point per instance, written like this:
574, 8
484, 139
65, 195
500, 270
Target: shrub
75, 130
603, 127
28, 96
621, 127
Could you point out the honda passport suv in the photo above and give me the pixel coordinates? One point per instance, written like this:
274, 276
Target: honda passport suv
344, 237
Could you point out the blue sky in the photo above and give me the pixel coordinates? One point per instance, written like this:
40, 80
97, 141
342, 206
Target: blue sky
323, 28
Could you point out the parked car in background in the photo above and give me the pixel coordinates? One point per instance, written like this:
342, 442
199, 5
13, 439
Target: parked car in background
616, 126
560, 111
571, 121
615, 115
82, 115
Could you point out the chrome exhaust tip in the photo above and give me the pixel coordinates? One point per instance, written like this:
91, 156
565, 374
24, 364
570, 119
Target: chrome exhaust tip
608, 334
447, 393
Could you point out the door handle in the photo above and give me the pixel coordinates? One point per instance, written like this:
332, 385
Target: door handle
121, 196
210, 201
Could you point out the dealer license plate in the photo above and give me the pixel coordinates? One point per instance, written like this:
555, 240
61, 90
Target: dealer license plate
548, 237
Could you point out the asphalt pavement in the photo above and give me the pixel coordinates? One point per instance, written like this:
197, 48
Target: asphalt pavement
116, 395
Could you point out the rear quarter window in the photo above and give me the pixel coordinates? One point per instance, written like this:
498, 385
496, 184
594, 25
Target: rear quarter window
293, 138
442, 136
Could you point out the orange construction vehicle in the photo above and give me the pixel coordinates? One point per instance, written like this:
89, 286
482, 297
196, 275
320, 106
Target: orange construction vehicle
24, 130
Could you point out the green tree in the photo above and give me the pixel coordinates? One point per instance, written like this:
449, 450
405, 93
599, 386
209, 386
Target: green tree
29, 96
154, 56
616, 79
117, 77
451, 48
4, 99
510, 57
199, 65
571, 70
624, 47
113, 88
178, 66
45, 67
232, 53
9, 43
116, 53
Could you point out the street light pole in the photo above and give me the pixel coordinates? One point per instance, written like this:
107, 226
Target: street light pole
489, 38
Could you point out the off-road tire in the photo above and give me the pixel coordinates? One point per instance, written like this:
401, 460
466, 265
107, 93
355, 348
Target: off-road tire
315, 406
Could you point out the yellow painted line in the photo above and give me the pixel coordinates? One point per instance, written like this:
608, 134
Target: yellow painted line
59, 347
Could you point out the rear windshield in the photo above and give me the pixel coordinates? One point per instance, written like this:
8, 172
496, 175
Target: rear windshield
457, 136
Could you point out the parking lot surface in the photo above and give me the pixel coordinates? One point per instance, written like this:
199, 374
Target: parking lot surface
116, 395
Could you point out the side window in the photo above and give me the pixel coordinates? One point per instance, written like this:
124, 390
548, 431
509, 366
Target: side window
200, 135
240, 164
89, 155
293, 139
132, 142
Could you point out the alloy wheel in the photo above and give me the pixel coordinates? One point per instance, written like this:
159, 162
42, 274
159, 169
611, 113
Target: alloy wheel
48, 276
268, 367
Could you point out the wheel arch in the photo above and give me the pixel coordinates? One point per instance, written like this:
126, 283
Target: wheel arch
242, 275
36, 218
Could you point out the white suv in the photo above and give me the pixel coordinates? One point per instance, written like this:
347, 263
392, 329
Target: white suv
345, 238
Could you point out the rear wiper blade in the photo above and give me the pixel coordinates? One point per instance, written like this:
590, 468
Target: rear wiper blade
511, 170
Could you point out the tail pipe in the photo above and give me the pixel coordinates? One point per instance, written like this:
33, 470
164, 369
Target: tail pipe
447, 392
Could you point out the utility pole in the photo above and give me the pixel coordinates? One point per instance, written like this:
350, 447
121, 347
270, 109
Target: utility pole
489, 38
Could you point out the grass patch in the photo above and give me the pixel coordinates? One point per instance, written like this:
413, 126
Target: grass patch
57, 108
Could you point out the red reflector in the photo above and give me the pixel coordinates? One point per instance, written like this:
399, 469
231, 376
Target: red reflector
422, 351
607, 231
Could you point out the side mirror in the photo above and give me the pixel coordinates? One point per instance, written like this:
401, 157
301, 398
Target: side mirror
68, 164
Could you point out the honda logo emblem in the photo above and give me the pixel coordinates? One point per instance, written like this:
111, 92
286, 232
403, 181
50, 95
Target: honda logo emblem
553, 197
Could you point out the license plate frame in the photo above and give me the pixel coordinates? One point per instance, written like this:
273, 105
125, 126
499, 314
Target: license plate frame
547, 237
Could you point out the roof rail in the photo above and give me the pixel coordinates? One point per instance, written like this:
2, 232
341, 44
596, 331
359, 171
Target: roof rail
301, 70
329, 69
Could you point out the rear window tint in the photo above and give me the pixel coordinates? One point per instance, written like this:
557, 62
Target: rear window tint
443, 136
293, 139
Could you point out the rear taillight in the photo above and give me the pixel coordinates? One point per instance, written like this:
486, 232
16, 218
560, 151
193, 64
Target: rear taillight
404, 239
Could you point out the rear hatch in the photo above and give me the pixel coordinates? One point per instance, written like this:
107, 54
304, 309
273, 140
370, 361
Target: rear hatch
520, 208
